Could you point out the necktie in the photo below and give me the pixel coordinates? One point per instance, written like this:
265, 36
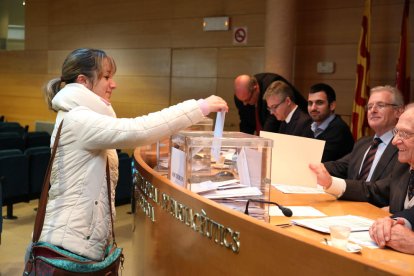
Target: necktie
410, 191
369, 158
257, 118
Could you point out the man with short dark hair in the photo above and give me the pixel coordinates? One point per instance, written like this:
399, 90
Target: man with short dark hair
326, 124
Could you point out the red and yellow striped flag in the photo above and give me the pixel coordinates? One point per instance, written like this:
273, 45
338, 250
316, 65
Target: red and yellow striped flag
403, 63
359, 122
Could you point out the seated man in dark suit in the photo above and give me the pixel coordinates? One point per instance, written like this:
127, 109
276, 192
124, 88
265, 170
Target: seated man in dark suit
327, 125
396, 190
397, 233
370, 160
281, 103
248, 97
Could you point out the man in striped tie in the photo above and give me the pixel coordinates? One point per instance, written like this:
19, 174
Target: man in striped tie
372, 157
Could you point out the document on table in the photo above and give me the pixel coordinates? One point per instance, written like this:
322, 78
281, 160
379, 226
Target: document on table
287, 189
209, 185
218, 134
356, 223
298, 211
363, 238
291, 156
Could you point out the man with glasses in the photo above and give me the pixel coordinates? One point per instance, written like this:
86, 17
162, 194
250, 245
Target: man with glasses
281, 103
397, 232
326, 124
248, 97
371, 171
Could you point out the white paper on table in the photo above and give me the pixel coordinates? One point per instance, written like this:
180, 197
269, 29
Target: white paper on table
177, 167
287, 189
298, 211
218, 134
241, 192
363, 238
243, 168
210, 185
356, 223
291, 156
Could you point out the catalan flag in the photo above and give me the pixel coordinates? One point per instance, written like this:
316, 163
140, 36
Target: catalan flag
403, 63
359, 121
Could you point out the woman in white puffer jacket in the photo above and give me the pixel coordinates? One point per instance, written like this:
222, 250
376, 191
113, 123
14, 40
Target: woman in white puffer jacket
77, 215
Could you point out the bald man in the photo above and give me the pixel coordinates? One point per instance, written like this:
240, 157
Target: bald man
248, 97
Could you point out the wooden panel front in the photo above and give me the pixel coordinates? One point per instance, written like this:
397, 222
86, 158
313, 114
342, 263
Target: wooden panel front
168, 246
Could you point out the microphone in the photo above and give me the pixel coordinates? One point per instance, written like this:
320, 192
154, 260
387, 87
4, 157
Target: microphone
286, 211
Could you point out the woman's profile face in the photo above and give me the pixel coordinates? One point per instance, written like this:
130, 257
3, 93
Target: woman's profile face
104, 86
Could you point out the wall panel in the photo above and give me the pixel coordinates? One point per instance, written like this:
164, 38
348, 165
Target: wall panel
23, 62
226, 91
236, 61
194, 62
142, 90
191, 88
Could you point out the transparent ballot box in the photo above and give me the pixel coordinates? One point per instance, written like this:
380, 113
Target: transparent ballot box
162, 147
229, 170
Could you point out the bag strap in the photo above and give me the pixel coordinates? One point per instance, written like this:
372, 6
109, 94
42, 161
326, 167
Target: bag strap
41, 209
108, 184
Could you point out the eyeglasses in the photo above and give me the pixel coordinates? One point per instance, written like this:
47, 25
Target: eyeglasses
379, 105
273, 108
402, 134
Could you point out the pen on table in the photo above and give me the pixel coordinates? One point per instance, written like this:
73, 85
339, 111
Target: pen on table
283, 225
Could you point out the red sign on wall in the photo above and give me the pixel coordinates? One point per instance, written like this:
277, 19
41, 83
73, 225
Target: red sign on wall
240, 35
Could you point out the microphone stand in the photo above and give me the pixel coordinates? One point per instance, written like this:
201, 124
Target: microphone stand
286, 211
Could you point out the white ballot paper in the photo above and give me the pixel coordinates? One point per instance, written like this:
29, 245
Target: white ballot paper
356, 223
249, 163
177, 167
291, 156
288, 189
218, 134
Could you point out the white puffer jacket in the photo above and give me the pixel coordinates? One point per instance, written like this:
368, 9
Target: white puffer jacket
77, 215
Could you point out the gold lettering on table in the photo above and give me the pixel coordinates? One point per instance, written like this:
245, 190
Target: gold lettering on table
196, 219
198, 222
164, 201
226, 232
146, 207
236, 242
188, 216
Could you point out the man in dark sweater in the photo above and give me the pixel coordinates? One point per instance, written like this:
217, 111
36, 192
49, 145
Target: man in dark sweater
326, 124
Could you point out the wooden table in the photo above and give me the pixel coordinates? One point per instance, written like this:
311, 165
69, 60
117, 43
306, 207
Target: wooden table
166, 245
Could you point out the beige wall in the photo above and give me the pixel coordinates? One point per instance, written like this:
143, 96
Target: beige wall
164, 57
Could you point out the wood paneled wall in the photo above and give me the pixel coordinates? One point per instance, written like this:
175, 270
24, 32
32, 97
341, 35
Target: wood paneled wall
163, 55
330, 31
